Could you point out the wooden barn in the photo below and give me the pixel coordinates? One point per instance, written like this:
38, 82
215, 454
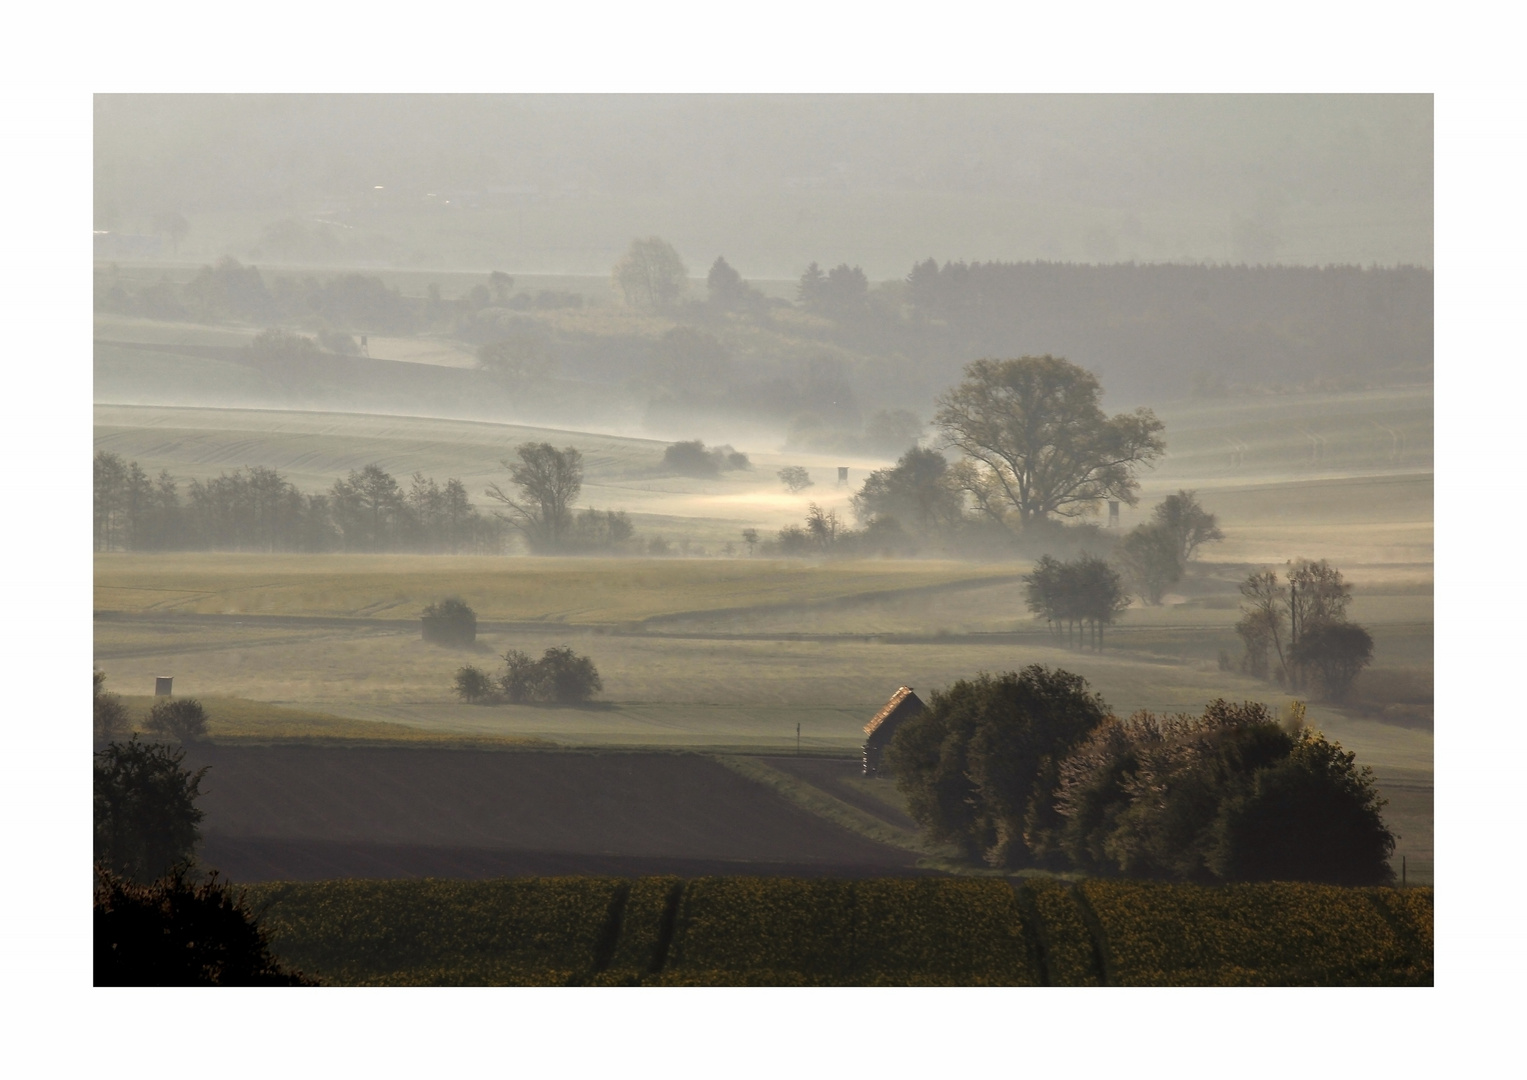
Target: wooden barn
902, 707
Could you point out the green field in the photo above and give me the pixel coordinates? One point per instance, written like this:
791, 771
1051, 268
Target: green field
784, 932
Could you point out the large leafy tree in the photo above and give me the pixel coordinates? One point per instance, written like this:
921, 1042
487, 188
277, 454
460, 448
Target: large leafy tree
979, 766
547, 481
1038, 443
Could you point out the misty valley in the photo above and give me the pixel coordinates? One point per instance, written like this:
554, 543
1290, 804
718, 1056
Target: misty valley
571, 599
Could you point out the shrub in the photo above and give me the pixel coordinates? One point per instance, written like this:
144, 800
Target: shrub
176, 933
182, 719
449, 622
474, 685
690, 459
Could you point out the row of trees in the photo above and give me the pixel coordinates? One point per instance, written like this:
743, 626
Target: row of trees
258, 509
1081, 595
1030, 769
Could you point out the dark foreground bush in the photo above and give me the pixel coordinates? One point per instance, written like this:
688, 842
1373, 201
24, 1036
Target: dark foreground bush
821, 932
178, 933
449, 622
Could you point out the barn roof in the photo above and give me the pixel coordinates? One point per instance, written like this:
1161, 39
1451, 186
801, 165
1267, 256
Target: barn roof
902, 697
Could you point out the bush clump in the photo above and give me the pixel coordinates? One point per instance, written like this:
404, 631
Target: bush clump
693, 458
449, 622
182, 719
559, 677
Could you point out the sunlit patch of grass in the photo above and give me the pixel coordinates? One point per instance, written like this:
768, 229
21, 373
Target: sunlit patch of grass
231, 719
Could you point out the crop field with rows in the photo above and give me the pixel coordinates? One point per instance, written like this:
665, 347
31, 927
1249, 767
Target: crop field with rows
789, 932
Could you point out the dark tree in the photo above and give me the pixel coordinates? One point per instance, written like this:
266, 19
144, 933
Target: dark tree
522, 678
561, 676
1039, 442
146, 819
181, 719
567, 678
1189, 524
1334, 653
174, 932
369, 505
1226, 796
449, 622
1314, 816
919, 492
979, 766
725, 285
548, 481
1152, 556
474, 685
110, 713
750, 538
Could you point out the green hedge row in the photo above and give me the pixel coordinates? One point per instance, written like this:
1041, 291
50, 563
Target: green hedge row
894, 932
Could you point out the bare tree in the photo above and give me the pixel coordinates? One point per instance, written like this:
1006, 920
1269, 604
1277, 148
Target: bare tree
548, 480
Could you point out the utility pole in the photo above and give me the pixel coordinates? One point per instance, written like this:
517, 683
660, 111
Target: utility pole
797, 740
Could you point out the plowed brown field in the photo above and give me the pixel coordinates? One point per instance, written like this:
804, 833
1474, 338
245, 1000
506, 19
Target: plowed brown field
306, 813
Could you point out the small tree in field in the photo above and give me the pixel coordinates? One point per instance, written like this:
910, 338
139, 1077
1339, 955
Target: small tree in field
568, 678
795, 478
182, 719
474, 685
449, 622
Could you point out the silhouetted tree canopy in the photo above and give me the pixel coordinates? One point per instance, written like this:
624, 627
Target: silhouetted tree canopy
176, 932
979, 766
146, 818
1038, 441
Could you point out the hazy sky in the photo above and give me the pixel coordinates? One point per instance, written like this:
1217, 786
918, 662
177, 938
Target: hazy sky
563, 183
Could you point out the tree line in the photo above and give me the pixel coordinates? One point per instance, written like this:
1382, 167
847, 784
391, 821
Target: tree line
1031, 769
258, 509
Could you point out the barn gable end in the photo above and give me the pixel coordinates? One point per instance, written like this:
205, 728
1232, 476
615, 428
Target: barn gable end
904, 705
